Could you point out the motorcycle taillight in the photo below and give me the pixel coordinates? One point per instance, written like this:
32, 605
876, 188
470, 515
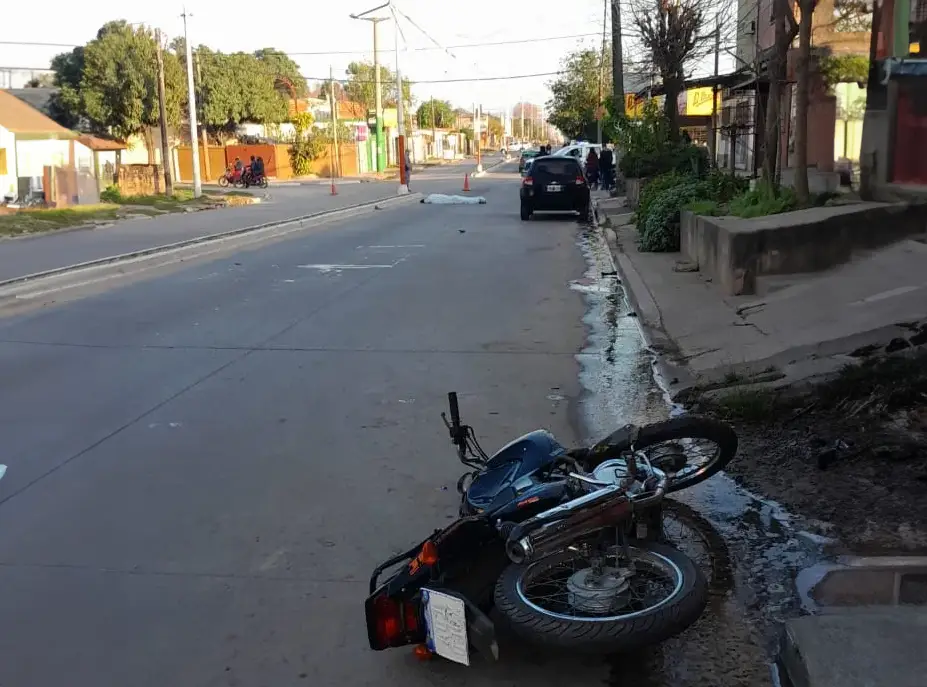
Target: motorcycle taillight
393, 620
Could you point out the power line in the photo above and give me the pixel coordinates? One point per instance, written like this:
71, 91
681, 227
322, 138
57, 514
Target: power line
424, 81
361, 52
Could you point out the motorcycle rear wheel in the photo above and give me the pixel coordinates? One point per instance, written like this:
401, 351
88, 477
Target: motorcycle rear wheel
556, 619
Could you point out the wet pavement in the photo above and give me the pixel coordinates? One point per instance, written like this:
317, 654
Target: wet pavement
750, 549
263, 429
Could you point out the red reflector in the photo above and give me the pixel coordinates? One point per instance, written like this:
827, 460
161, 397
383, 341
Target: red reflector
528, 181
388, 620
580, 180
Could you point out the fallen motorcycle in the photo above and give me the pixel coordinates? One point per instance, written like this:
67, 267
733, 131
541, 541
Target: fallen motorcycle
566, 544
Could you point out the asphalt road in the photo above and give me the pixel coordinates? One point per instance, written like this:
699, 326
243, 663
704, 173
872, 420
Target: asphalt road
204, 467
207, 461
29, 255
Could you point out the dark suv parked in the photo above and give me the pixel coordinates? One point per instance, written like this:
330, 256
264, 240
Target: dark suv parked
554, 184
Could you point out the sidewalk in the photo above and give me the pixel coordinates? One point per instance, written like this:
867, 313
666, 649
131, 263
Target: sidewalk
23, 256
796, 327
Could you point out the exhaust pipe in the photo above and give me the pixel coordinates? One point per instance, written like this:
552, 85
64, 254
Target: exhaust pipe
553, 529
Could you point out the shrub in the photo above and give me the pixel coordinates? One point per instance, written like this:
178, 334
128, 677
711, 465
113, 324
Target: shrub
763, 200
683, 158
661, 226
724, 186
708, 208
111, 194
654, 188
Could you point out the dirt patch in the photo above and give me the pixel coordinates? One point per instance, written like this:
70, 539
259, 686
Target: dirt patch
851, 454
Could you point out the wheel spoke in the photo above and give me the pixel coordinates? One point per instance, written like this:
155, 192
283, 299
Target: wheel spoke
547, 587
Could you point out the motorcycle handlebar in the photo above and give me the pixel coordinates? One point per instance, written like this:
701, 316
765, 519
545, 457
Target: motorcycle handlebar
455, 410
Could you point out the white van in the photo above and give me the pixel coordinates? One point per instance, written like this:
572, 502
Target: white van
579, 150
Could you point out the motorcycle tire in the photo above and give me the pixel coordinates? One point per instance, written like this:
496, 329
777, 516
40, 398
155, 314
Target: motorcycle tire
685, 427
598, 635
223, 181
239, 184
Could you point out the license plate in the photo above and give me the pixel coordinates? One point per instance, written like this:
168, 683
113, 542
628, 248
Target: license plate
554, 187
446, 626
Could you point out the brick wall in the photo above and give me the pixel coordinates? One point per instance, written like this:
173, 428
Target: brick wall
140, 180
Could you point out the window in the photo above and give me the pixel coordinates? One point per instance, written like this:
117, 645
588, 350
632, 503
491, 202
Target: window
3, 161
556, 167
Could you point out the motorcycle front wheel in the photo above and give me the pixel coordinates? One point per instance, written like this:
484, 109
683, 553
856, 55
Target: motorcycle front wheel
610, 604
223, 181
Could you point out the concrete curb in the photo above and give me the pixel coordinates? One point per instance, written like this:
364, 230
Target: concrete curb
164, 248
487, 170
675, 376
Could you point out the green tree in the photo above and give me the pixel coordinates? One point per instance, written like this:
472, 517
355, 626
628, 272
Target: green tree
361, 86
443, 114
576, 91
496, 129
65, 106
118, 92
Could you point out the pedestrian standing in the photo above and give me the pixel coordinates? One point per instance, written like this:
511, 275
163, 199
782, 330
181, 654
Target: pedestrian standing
407, 163
606, 165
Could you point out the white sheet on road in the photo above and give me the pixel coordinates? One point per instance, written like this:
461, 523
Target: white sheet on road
442, 199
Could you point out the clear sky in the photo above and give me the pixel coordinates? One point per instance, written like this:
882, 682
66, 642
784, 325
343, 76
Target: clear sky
313, 26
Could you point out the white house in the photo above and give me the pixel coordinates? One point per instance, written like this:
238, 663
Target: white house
30, 141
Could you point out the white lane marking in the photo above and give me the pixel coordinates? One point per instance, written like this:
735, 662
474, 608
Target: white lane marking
410, 245
900, 291
329, 268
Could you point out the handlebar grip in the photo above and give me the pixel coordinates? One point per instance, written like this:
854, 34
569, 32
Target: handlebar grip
455, 410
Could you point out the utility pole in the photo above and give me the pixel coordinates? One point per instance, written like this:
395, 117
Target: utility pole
162, 115
476, 137
617, 58
378, 130
400, 113
714, 93
521, 107
191, 96
434, 126
378, 134
336, 158
199, 79
598, 112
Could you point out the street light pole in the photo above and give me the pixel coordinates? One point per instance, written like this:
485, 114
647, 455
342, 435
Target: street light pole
400, 114
378, 131
191, 97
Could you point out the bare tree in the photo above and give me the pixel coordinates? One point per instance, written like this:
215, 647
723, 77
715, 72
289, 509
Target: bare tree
786, 28
674, 34
803, 69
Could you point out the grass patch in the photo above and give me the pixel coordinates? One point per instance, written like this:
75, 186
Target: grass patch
40, 220
180, 197
763, 201
882, 383
708, 208
752, 406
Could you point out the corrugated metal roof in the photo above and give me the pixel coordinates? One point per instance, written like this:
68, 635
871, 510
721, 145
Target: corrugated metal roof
20, 118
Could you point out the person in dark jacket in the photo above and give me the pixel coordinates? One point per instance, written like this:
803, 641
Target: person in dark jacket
607, 167
592, 168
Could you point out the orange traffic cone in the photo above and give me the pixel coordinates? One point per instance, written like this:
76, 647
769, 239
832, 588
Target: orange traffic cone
334, 191
466, 182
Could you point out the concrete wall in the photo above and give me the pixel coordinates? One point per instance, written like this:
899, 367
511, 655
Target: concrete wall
8, 180
734, 251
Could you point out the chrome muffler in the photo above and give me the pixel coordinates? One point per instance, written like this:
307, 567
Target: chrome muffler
554, 529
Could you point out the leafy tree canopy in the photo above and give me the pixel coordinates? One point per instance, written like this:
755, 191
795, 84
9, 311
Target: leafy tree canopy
576, 92
361, 86
444, 115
